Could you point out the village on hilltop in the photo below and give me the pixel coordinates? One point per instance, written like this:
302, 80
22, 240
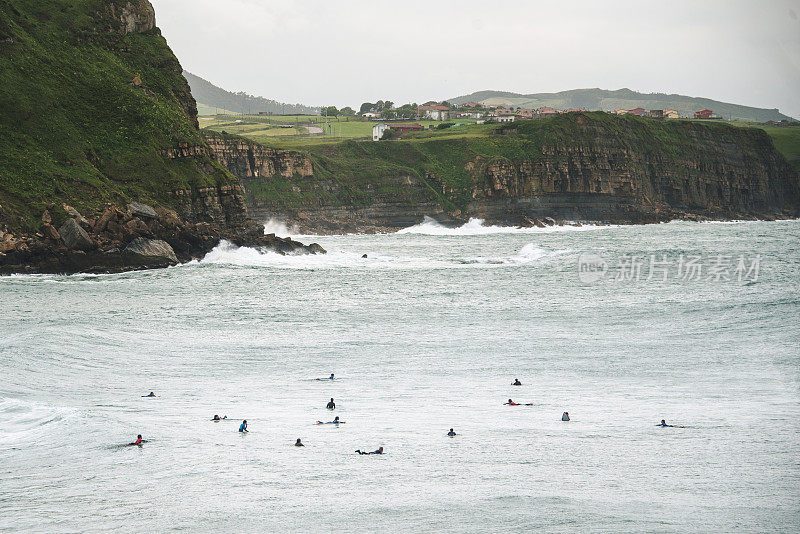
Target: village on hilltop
444, 111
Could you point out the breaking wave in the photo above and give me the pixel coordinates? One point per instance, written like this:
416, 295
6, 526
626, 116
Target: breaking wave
430, 226
227, 253
279, 228
19, 419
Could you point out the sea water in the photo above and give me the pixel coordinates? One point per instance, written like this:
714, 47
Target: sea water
424, 334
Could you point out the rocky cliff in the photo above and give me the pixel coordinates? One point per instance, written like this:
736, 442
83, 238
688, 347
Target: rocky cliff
96, 117
580, 166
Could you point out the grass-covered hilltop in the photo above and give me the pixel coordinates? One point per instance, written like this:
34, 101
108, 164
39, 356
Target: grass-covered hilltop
96, 114
93, 100
580, 166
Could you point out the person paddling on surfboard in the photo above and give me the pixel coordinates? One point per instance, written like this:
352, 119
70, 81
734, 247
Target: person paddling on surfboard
379, 451
151, 394
334, 422
138, 441
512, 403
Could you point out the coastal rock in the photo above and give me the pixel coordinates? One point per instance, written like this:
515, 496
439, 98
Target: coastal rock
102, 222
152, 249
51, 232
137, 209
549, 221
75, 237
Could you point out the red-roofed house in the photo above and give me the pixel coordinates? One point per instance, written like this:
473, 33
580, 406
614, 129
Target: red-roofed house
703, 114
436, 112
637, 111
407, 127
547, 112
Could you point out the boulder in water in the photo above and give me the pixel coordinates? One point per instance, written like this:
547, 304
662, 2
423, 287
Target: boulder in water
152, 249
75, 237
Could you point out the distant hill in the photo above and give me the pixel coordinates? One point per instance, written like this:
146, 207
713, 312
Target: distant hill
210, 98
601, 99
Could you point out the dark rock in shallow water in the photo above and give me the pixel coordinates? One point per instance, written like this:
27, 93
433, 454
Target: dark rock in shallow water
138, 209
151, 249
75, 237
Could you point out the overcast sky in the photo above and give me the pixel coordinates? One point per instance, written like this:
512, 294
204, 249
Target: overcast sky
323, 52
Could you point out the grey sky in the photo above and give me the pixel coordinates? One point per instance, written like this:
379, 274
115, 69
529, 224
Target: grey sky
321, 52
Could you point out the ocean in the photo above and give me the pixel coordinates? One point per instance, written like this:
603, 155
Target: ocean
621, 326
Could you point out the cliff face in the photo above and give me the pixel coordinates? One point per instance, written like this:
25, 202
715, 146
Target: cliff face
712, 171
96, 114
584, 166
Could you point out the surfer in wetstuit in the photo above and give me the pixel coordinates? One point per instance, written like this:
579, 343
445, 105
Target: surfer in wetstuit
243, 426
378, 451
334, 422
516, 382
138, 441
151, 394
331, 405
512, 403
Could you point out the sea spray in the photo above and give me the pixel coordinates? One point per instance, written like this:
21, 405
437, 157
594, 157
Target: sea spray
474, 226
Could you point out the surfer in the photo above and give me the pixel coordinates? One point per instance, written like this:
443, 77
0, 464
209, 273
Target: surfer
334, 422
329, 378
243, 426
331, 405
512, 403
565, 416
151, 394
379, 451
664, 424
298, 443
516, 382
138, 441
451, 433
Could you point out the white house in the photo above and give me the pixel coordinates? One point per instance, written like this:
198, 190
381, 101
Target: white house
437, 114
378, 129
504, 118
371, 115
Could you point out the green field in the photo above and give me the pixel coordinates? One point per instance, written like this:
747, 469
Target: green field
266, 129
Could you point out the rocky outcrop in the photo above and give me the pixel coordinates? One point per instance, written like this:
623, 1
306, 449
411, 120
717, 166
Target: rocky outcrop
133, 16
74, 237
251, 161
121, 240
137, 209
152, 250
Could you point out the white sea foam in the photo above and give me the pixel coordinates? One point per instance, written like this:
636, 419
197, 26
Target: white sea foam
279, 228
19, 419
430, 226
227, 253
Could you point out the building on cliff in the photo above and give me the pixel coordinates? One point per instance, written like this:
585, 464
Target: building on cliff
703, 114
